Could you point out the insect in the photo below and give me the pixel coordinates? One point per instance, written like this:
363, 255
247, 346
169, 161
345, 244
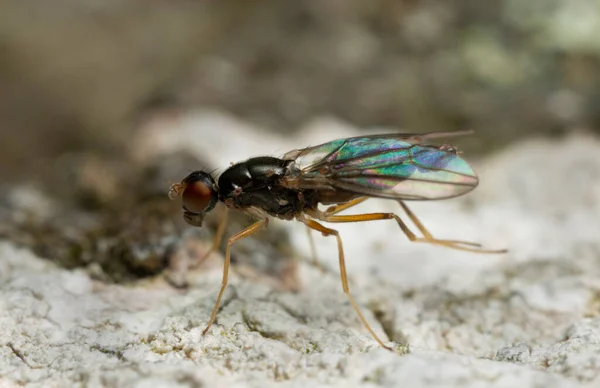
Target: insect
341, 173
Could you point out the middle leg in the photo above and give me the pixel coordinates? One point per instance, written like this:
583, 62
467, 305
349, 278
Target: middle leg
332, 232
330, 211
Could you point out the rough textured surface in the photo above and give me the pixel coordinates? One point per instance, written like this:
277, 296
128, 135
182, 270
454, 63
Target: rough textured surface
529, 318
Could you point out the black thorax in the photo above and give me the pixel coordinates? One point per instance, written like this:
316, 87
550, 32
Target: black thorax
257, 182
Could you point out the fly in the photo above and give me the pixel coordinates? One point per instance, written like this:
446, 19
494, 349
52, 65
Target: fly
341, 173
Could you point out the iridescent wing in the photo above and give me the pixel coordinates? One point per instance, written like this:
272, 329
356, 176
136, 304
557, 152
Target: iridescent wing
397, 166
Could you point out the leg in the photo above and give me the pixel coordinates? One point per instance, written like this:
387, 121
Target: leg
332, 232
216, 239
313, 249
330, 210
238, 236
428, 238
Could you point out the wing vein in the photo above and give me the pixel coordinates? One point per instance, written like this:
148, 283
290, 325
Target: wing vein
377, 165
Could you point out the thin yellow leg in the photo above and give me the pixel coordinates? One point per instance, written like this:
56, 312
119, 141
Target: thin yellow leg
313, 249
429, 239
217, 238
238, 236
331, 210
427, 236
332, 232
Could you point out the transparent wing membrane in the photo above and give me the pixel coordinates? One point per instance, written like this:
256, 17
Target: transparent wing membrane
388, 166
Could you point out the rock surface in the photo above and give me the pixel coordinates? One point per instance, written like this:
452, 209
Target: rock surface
528, 318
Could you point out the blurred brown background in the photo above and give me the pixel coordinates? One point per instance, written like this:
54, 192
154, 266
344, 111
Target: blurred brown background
78, 75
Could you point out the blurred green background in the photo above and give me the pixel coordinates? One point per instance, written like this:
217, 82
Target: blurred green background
78, 75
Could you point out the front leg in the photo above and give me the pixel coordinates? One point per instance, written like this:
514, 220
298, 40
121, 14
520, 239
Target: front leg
249, 231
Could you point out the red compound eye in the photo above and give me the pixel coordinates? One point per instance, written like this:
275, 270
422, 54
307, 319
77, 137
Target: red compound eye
196, 196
